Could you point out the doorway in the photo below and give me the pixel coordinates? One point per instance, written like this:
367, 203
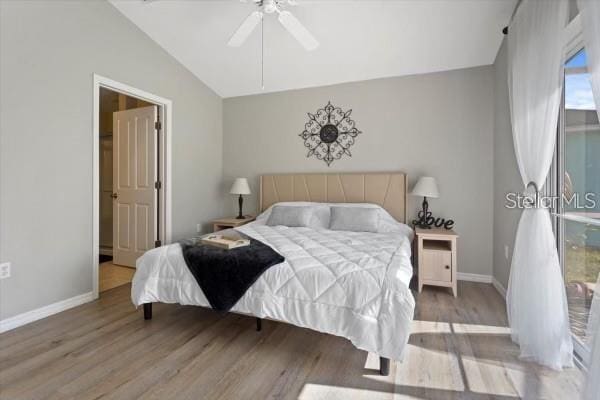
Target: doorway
131, 180
122, 116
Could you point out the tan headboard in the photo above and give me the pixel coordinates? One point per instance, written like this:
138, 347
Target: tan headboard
385, 189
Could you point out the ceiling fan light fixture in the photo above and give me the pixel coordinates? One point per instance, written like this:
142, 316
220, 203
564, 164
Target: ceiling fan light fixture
285, 18
271, 7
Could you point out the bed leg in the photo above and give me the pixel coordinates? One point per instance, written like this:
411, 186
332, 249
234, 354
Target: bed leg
258, 324
147, 311
384, 366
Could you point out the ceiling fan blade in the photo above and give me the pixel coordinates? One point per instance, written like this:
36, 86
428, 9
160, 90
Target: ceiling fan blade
245, 29
295, 27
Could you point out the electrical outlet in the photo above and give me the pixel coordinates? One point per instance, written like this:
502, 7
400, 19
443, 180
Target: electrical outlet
506, 252
5, 270
198, 228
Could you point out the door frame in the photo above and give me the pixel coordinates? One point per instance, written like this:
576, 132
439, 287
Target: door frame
165, 113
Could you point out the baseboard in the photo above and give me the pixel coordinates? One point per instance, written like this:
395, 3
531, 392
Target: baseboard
106, 251
501, 289
463, 276
43, 312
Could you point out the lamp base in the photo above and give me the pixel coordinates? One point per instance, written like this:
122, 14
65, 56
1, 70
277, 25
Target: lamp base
240, 203
424, 215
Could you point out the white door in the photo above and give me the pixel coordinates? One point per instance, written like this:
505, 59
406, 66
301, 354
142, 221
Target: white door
134, 174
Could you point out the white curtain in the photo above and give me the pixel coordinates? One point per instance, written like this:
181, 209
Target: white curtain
536, 297
589, 11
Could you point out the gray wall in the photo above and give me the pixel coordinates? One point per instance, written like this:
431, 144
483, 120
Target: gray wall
48, 53
435, 124
506, 172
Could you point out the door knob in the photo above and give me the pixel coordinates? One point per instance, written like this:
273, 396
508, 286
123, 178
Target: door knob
114, 195
447, 267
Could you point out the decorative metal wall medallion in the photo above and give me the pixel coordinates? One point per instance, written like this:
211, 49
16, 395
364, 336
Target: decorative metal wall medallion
329, 133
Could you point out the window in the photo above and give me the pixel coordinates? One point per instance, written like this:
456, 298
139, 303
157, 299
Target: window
578, 177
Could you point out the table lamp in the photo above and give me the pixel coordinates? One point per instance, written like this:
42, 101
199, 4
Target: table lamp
240, 186
426, 187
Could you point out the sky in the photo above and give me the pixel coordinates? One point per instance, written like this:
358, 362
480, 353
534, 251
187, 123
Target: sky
578, 89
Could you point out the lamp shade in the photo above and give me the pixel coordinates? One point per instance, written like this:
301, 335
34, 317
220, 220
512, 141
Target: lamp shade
240, 186
426, 187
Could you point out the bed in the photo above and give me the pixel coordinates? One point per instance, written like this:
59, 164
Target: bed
346, 283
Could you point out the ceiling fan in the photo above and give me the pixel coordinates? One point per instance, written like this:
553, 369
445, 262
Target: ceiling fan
286, 18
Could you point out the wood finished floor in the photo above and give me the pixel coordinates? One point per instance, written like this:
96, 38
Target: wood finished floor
112, 276
459, 349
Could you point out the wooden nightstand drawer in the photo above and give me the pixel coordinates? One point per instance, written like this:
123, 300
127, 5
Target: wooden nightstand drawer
437, 265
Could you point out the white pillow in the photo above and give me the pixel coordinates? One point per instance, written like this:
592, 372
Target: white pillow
387, 223
320, 215
292, 216
355, 219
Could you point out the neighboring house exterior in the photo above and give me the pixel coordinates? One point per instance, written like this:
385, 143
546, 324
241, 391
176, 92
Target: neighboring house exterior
582, 165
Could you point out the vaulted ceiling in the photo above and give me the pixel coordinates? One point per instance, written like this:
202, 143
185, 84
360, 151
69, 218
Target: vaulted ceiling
359, 39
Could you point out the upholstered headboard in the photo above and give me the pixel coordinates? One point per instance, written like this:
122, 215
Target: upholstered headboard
385, 189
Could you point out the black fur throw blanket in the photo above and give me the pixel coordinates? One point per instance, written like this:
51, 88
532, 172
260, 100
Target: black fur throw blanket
225, 275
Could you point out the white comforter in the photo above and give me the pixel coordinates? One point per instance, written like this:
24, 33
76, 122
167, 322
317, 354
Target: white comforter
348, 284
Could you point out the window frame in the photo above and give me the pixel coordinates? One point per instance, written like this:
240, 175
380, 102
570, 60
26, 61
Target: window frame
573, 43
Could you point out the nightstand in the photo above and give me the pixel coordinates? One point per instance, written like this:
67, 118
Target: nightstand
226, 223
436, 258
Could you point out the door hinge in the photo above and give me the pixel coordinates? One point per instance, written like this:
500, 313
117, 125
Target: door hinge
157, 243
157, 125
158, 185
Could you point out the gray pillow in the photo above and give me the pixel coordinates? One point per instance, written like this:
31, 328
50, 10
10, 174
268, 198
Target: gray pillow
355, 219
294, 216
